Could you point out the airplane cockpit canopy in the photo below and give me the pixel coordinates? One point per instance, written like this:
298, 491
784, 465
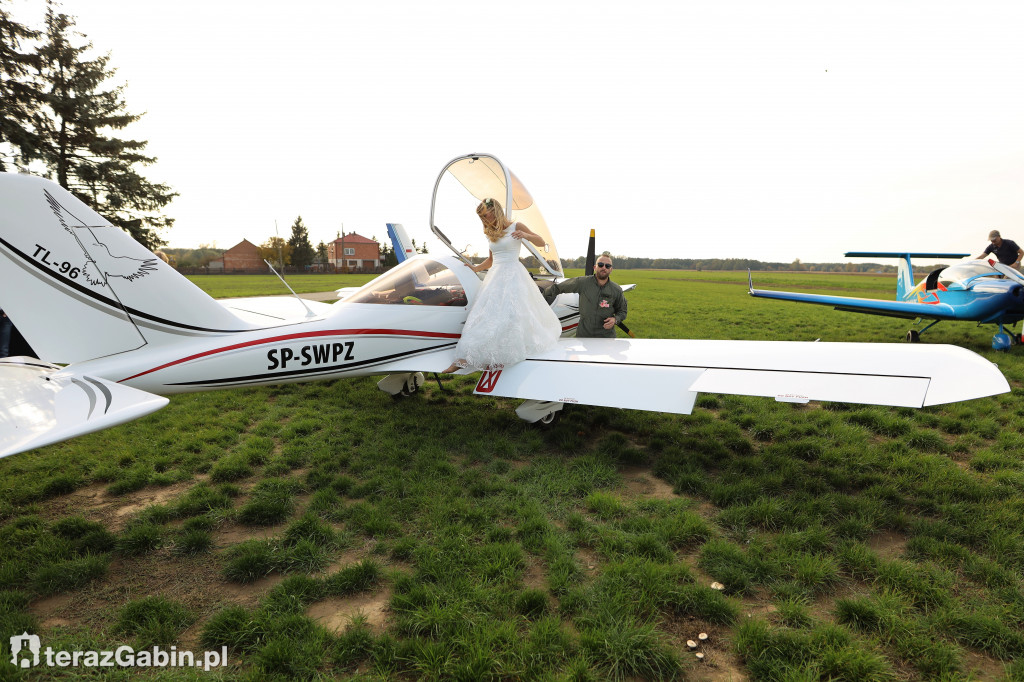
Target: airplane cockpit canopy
958, 274
464, 183
421, 281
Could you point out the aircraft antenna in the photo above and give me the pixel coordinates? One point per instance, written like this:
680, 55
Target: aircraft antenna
309, 313
280, 256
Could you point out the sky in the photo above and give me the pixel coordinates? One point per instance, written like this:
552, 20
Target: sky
714, 129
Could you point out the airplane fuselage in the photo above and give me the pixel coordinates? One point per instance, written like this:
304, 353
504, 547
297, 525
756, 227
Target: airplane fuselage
351, 339
985, 299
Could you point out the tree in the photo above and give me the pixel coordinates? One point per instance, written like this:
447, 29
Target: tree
19, 95
388, 258
302, 250
276, 250
75, 139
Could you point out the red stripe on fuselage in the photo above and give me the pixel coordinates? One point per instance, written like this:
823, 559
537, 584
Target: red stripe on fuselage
291, 337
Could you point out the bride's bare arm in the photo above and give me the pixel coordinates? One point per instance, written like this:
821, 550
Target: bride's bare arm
523, 232
484, 265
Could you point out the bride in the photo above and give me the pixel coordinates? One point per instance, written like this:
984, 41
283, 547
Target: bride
509, 318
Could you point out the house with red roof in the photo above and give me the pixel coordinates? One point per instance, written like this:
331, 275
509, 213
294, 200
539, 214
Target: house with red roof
355, 252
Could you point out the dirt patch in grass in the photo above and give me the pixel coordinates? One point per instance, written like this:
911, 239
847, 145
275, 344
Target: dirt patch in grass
248, 594
757, 606
51, 610
113, 511
888, 544
194, 582
589, 559
640, 482
350, 556
534, 578
719, 663
235, 533
132, 503
335, 613
824, 607
982, 667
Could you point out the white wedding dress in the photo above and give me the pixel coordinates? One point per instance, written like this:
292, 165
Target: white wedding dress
509, 319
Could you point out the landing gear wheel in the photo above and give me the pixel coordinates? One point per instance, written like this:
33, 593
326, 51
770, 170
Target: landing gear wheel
549, 419
412, 384
400, 386
1002, 341
913, 336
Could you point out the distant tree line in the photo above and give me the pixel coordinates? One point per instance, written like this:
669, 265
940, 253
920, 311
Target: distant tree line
634, 263
193, 258
204, 254
59, 119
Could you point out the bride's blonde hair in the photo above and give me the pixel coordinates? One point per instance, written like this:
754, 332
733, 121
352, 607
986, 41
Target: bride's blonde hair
495, 228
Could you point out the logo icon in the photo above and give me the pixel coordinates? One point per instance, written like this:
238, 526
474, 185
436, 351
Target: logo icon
488, 380
28, 642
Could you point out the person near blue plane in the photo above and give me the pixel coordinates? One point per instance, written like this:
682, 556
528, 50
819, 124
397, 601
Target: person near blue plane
1006, 251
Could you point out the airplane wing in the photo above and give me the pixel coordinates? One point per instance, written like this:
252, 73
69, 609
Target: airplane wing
872, 306
45, 404
666, 375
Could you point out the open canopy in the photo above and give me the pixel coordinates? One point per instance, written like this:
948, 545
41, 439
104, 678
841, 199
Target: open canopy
467, 180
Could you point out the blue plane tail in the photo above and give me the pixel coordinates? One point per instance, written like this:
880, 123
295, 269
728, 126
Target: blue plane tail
400, 242
905, 272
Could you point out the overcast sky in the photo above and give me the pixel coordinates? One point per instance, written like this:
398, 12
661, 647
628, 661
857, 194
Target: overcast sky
767, 130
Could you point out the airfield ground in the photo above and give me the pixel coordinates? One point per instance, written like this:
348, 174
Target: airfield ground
326, 530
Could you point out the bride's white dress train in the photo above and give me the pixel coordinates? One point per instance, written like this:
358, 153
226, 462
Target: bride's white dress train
509, 319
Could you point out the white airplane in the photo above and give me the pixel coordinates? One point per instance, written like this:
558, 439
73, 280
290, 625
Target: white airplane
117, 329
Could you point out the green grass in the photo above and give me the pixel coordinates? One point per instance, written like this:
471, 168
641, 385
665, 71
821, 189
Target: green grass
872, 543
229, 286
153, 621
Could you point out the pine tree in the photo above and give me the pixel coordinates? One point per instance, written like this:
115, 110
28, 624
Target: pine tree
76, 143
19, 94
302, 249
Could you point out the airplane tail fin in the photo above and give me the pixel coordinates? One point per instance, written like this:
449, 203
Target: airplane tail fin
400, 242
77, 287
904, 270
904, 278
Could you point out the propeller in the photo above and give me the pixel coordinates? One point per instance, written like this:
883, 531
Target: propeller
591, 258
1006, 270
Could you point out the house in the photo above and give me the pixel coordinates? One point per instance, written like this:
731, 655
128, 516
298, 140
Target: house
354, 252
242, 256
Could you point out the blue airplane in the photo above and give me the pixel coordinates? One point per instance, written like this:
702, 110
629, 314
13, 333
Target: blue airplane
982, 291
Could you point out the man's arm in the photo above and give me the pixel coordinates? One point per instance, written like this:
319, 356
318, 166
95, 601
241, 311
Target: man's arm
569, 286
620, 307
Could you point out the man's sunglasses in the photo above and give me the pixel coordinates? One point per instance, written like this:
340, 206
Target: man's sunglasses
605, 265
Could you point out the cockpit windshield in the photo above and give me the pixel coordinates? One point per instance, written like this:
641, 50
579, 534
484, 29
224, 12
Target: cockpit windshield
965, 270
467, 181
415, 282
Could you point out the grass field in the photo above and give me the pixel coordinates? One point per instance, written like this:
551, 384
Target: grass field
327, 531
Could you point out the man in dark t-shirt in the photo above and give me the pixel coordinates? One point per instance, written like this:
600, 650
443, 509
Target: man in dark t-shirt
1006, 250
